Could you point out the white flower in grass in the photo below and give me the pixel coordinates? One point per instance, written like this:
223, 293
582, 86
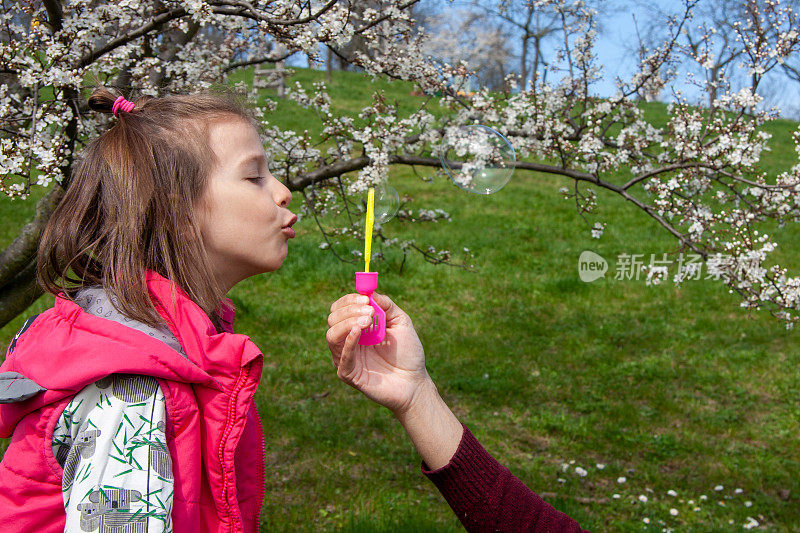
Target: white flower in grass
562, 480
738, 491
696, 509
673, 512
748, 504
600, 466
751, 523
703, 497
721, 503
672, 493
643, 498
616, 496
580, 471
621, 479
564, 467
646, 520
718, 488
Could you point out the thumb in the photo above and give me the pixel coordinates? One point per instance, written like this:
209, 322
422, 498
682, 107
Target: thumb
386, 304
394, 314
347, 361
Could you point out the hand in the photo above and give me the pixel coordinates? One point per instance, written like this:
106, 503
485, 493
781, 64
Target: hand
391, 373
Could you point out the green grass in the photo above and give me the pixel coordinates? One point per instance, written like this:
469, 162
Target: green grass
671, 388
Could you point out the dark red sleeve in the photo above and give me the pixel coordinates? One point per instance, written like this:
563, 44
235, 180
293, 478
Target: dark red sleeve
486, 497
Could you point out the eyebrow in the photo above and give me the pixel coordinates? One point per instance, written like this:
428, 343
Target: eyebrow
253, 158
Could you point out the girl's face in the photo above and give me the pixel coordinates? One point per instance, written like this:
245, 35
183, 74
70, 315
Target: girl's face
243, 212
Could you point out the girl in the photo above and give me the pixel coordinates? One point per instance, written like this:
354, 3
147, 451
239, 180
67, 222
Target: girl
130, 402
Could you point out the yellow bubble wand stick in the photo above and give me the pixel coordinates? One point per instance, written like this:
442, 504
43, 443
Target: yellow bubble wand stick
368, 230
367, 282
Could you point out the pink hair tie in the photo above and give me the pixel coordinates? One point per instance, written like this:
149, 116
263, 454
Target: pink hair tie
121, 103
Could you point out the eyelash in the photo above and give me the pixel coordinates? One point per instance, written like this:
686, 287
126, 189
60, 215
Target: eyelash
257, 178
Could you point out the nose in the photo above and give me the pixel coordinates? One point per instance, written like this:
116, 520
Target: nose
282, 194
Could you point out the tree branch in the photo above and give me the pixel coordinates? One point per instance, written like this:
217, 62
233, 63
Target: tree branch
328, 171
54, 14
661, 170
157, 21
384, 17
247, 6
256, 61
358, 163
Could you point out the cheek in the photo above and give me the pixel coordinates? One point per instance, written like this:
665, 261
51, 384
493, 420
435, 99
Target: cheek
227, 210
220, 220
232, 215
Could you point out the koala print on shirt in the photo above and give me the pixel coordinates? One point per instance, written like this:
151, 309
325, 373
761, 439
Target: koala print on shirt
111, 443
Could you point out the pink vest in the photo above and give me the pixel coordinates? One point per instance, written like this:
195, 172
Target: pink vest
214, 434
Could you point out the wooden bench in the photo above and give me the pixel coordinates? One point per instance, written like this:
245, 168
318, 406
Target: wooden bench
271, 78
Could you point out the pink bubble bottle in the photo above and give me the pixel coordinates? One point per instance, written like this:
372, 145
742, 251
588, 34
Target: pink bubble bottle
366, 283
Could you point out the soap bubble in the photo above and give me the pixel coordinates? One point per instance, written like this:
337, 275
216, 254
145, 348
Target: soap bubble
387, 202
477, 158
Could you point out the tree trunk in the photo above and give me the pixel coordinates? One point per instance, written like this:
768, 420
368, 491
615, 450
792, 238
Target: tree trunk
712, 85
18, 287
328, 65
524, 62
177, 41
20, 294
536, 54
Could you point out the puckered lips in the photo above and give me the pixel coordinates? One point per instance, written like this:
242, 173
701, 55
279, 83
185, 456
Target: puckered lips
287, 229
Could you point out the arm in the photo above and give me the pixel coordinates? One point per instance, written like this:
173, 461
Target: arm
432, 427
483, 493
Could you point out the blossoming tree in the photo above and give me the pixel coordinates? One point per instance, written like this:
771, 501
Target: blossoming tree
699, 176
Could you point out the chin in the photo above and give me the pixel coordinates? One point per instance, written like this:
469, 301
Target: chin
273, 263
272, 267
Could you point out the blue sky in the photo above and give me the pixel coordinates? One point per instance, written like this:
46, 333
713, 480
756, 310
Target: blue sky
615, 44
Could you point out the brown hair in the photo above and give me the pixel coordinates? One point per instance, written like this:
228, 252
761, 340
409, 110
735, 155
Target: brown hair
130, 204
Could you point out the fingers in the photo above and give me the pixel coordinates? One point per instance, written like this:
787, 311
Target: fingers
337, 333
349, 299
343, 313
382, 300
348, 313
351, 313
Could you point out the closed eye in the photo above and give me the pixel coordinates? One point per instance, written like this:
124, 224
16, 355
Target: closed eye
257, 179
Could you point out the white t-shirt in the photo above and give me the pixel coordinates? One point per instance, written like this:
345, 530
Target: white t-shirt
117, 469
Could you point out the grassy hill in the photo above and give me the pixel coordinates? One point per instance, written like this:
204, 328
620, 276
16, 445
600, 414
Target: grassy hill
672, 389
